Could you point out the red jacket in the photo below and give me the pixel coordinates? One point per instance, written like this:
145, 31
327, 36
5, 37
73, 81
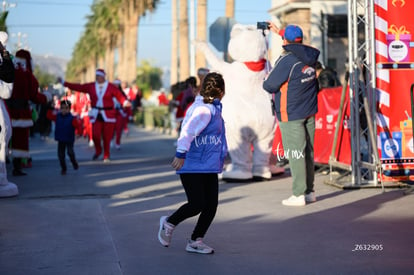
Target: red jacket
101, 103
25, 89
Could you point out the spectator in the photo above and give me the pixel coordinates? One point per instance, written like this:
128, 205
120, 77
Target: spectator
293, 81
162, 99
327, 77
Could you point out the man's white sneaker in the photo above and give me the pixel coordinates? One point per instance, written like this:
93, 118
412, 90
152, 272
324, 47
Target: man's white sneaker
310, 197
295, 201
198, 247
165, 231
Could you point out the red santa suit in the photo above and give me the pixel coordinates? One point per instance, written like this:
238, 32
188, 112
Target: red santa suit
163, 100
102, 114
86, 123
120, 123
25, 89
76, 110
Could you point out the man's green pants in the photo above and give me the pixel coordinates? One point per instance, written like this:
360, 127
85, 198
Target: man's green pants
297, 138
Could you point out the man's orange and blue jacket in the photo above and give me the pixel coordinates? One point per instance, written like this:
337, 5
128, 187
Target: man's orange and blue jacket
294, 83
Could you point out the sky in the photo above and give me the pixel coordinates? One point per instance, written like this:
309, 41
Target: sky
52, 27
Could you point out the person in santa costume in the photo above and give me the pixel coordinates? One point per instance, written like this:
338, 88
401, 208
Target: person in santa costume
122, 115
25, 90
102, 113
86, 123
7, 189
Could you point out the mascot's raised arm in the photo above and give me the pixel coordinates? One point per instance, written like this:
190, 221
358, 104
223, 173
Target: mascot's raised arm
247, 109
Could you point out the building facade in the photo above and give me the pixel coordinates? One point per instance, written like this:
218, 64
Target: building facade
324, 25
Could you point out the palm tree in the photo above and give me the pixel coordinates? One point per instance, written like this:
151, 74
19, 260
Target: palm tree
128, 46
90, 50
3, 17
174, 44
230, 8
108, 25
113, 22
131, 12
183, 41
229, 14
201, 30
85, 56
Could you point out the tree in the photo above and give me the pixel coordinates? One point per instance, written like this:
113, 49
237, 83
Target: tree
131, 11
230, 8
174, 43
229, 14
82, 66
45, 79
148, 77
112, 24
184, 56
3, 17
201, 30
107, 25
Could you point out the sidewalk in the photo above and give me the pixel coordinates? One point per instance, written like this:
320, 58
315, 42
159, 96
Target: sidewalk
103, 219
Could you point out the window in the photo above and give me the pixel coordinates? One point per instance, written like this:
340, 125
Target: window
337, 26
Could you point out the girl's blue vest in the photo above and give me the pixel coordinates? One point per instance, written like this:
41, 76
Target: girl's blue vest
208, 150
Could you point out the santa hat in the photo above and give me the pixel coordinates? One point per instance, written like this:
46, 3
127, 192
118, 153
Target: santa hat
100, 72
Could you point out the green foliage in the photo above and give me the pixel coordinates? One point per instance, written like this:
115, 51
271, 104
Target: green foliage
153, 117
44, 78
3, 18
148, 77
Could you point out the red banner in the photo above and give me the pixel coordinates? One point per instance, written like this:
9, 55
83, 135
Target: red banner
329, 101
395, 75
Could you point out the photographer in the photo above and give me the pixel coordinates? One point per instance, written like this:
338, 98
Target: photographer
294, 83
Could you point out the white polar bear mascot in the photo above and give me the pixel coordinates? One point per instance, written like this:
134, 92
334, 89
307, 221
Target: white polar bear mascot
7, 189
247, 108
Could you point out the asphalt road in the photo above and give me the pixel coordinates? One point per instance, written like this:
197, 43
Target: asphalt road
103, 219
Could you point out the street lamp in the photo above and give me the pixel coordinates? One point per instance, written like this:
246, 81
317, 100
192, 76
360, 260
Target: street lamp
20, 37
6, 5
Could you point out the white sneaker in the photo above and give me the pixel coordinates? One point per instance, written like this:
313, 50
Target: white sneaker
237, 175
165, 231
198, 247
295, 201
310, 197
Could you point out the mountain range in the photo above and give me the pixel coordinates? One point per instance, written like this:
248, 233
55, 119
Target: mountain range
51, 64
